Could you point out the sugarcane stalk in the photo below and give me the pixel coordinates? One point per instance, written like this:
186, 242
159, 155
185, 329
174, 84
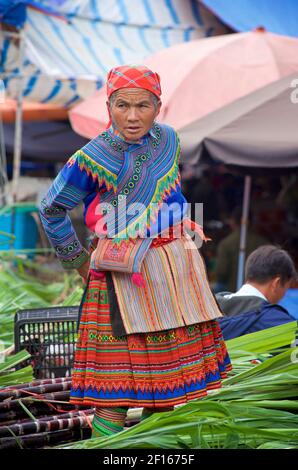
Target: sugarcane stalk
35, 441
35, 383
56, 396
40, 426
40, 412
14, 415
39, 389
48, 417
15, 404
71, 414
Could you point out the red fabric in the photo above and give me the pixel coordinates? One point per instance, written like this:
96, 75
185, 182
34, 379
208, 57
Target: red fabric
159, 241
96, 274
92, 217
128, 76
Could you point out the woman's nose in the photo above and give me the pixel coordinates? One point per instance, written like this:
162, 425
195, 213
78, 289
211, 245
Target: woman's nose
132, 114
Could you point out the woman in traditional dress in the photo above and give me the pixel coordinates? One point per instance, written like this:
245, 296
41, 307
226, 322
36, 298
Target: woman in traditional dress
148, 335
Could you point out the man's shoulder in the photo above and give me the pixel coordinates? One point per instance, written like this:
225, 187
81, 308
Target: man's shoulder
248, 305
240, 304
275, 308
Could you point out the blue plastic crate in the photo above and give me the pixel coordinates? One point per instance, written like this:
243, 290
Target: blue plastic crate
20, 233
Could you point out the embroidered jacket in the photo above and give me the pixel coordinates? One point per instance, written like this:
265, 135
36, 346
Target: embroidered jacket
110, 170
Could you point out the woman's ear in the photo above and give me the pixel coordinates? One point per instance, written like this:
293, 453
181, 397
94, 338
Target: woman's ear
158, 106
276, 283
109, 112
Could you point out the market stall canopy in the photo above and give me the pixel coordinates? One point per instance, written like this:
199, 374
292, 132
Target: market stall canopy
259, 130
203, 75
32, 111
66, 58
276, 16
47, 141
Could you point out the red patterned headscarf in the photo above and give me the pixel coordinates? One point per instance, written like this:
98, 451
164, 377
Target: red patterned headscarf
133, 76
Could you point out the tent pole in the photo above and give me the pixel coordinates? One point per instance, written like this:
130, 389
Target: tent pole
243, 230
18, 122
3, 161
3, 167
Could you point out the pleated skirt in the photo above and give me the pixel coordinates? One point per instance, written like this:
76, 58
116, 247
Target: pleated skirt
152, 370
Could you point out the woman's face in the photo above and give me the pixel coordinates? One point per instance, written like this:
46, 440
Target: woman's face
133, 112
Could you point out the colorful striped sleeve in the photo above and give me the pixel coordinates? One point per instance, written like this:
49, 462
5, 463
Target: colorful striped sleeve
70, 187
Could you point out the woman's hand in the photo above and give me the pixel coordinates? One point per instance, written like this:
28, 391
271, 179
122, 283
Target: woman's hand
84, 271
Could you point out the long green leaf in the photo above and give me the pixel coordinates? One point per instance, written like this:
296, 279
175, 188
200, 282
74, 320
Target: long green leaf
263, 341
12, 361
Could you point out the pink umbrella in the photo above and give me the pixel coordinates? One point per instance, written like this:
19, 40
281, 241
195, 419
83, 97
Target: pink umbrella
201, 76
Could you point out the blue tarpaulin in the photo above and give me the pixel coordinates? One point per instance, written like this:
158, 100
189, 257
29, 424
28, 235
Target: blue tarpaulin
13, 12
67, 58
276, 16
290, 302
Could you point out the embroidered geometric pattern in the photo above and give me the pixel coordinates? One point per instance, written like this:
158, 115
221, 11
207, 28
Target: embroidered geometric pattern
65, 193
151, 173
68, 249
109, 167
121, 147
157, 370
93, 335
54, 211
76, 261
161, 337
97, 171
129, 186
156, 142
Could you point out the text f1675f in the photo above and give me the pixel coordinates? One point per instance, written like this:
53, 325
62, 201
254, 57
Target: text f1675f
171, 459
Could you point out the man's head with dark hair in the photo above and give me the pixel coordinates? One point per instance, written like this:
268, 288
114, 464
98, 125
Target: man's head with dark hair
271, 270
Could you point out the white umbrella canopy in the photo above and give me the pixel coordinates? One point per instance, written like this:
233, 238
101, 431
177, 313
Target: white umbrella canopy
257, 131
201, 76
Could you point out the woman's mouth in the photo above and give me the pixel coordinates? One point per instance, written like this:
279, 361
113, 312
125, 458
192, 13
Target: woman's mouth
133, 129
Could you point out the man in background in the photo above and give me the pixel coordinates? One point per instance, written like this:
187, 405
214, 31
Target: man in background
269, 272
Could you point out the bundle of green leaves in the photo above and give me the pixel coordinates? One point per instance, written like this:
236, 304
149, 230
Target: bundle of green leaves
9, 376
255, 408
21, 290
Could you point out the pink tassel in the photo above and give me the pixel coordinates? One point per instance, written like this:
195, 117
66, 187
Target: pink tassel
191, 225
96, 274
138, 280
